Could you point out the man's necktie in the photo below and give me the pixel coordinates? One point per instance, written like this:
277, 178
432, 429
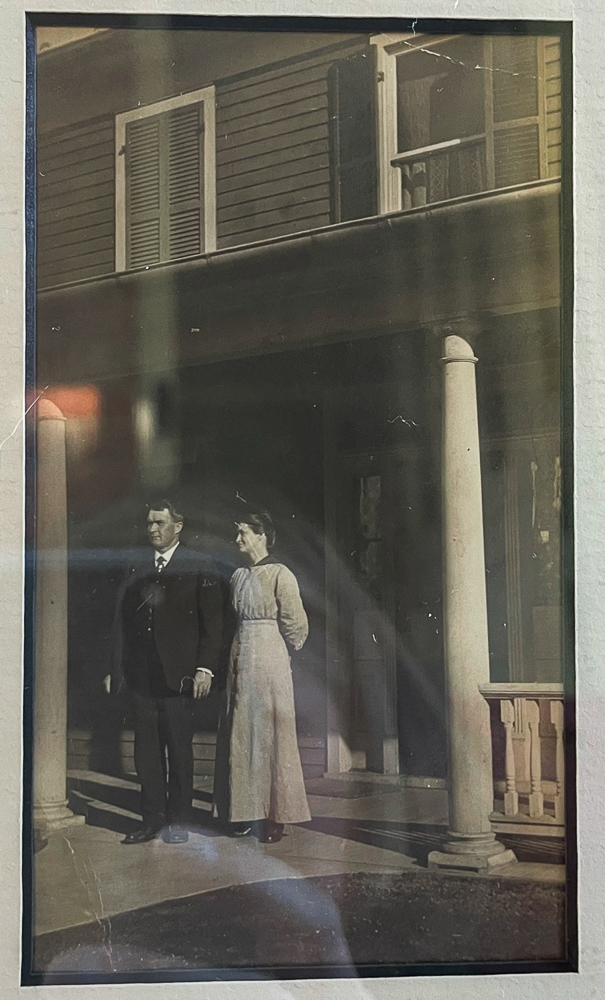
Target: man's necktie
160, 563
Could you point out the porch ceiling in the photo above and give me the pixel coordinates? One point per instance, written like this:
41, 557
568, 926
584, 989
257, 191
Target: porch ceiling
492, 253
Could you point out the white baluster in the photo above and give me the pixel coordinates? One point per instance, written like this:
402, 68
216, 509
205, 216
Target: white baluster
419, 189
406, 183
556, 717
511, 796
536, 796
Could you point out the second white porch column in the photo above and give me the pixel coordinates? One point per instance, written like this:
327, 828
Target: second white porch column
471, 843
50, 680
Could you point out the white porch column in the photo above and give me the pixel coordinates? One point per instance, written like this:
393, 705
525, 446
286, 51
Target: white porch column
50, 663
471, 843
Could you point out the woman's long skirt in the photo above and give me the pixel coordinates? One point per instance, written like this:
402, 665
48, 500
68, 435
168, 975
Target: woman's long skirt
258, 773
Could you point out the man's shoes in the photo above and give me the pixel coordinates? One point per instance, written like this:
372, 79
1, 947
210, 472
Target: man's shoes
271, 832
240, 829
142, 835
176, 834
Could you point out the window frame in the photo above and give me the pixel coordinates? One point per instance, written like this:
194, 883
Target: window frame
205, 96
388, 47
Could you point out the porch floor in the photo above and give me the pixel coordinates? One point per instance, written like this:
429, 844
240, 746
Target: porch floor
85, 874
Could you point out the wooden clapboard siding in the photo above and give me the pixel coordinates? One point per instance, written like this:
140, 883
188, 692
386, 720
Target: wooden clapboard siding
76, 228
61, 235
312, 188
272, 143
81, 758
280, 173
552, 68
275, 159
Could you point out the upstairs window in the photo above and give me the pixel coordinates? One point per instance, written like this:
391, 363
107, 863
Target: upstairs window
165, 181
465, 114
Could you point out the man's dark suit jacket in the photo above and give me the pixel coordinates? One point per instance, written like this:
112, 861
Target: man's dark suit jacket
181, 611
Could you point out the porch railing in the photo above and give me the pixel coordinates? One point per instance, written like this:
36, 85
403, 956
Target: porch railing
527, 724
442, 171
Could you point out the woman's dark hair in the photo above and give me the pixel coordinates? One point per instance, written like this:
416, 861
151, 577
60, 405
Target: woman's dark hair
262, 524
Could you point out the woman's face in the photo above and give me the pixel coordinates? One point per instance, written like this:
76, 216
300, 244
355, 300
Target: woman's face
250, 544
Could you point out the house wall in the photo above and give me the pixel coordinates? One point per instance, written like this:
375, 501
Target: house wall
273, 159
273, 163
273, 168
496, 255
76, 196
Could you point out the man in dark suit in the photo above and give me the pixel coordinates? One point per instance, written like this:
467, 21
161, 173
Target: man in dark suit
169, 639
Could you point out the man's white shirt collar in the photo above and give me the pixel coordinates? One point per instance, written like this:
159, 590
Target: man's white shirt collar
167, 555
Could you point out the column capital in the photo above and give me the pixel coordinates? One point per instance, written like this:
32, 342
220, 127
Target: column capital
467, 328
47, 410
456, 348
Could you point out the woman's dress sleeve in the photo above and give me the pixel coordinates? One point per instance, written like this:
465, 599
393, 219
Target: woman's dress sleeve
291, 614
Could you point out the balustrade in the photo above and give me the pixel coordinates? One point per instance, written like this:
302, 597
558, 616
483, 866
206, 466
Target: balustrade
442, 171
529, 758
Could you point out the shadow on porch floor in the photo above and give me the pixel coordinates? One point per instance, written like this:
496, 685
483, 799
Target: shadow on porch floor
85, 874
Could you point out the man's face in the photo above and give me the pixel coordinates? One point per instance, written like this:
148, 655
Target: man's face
163, 531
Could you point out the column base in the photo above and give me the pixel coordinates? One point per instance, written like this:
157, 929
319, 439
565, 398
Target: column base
55, 816
471, 852
470, 862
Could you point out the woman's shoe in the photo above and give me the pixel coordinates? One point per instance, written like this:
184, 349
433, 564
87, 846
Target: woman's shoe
240, 829
272, 832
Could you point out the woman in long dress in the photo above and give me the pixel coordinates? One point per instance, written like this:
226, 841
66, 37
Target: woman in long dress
258, 774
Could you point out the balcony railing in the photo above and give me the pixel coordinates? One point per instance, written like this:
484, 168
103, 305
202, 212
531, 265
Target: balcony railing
442, 171
528, 757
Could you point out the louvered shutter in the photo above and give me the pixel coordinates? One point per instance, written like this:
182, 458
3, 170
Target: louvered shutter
352, 117
164, 186
185, 180
143, 203
516, 125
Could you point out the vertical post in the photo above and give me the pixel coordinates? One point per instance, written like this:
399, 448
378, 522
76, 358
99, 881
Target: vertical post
339, 706
536, 795
389, 179
511, 796
50, 676
556, 717
512, 543
471, 843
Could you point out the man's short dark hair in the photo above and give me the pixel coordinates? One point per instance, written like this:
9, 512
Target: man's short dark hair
166, 505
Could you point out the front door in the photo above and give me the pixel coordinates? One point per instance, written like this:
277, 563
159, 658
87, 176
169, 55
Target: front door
385, 628
366, 633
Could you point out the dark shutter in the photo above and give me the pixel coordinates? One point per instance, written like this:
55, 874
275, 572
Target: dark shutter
515, 77
352, 116
164, 186
515, 99
516, 155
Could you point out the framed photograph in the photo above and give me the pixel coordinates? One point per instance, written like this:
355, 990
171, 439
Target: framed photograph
299, 662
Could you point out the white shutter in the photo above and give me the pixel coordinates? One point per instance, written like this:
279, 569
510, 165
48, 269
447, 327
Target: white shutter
143, 202
164, 186
185, 134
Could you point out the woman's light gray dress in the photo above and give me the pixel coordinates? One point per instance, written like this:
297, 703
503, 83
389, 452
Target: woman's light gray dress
258, 773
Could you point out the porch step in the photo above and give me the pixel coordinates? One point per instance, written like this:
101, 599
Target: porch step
113, 803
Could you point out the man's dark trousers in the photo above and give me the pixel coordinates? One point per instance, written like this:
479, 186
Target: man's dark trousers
163, 721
